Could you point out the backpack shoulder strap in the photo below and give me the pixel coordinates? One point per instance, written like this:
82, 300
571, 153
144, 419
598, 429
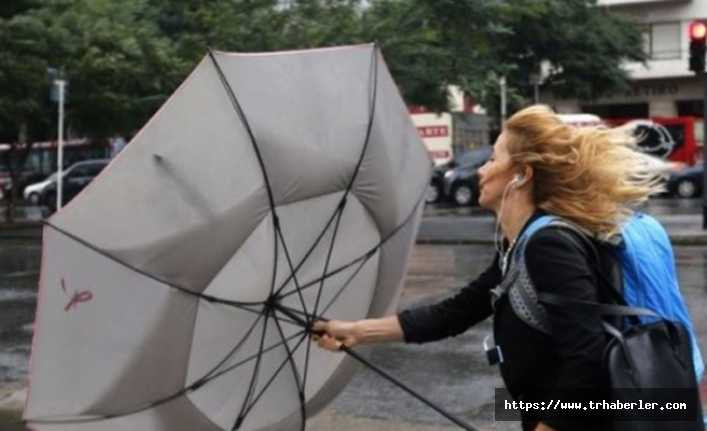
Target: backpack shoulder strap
604, 309
583, 239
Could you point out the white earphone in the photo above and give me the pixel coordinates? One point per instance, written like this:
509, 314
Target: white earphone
518, 178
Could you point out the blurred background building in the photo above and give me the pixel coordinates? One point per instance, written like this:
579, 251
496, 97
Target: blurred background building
663, 88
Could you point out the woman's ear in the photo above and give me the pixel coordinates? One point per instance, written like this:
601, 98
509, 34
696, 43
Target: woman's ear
522, 179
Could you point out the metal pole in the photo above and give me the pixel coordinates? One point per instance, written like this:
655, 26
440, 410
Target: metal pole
536, 92
703, 75
502, 82
60, 83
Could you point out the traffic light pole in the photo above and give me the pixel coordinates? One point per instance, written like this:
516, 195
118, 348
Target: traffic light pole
703, 75
697, 33
61, 84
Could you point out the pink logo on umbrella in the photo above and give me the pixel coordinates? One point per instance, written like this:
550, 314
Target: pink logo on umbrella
77, 297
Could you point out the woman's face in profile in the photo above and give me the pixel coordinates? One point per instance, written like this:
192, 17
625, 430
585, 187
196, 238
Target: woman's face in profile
495, 175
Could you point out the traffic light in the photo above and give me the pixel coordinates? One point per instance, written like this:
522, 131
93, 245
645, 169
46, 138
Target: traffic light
698, 31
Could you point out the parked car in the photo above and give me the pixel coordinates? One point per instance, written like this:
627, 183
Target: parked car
461, 182
34, 192
434, 190
74, 179
687, 182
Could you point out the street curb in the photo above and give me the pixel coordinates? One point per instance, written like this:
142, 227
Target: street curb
20, 225
688, 239
682, 239
459, 241
23, 230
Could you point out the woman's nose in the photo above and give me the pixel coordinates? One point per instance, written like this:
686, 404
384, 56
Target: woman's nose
482, 170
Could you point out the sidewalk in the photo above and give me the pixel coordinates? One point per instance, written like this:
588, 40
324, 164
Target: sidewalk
451, 226
27, 223
683, 229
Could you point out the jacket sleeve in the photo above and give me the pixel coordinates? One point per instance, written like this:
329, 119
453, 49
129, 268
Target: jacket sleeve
453, 315
560, 262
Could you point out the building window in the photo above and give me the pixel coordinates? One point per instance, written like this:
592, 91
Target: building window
619, 110
690, 108
646, 39
661, 41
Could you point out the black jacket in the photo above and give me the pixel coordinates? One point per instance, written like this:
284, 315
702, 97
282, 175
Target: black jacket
536, 365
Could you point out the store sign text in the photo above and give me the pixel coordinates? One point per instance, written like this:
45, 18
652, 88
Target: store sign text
433, 131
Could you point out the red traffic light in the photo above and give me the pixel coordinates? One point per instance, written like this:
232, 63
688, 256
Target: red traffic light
698, 47
698, 30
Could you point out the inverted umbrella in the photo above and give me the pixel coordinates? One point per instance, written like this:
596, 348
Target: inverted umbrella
177, 291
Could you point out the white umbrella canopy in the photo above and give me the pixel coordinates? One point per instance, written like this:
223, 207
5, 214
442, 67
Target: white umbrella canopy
176, 290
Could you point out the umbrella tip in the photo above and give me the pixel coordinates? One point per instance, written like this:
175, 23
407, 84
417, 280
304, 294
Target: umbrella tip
238, 423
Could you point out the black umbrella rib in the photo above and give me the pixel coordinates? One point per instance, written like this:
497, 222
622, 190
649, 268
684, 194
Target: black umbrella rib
273, 377
208, 376
256, 374
298, 380
292, 270
254, 356
244, 121
327, 261
371, 116
309, 252
343, 200
369, 253
321, 284
346, 284
213, 299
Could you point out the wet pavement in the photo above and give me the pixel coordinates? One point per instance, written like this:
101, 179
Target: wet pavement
19, 263
452, 373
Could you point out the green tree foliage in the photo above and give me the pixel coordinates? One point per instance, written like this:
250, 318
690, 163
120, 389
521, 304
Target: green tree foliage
24, 104
471, 43
412, 46
23, 82
119, 67
123, 58
582, 44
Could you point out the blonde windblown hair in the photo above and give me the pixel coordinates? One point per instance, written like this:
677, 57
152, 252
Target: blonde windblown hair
593, 177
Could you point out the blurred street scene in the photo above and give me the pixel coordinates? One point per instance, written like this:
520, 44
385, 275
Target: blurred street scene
453, 373
80, 79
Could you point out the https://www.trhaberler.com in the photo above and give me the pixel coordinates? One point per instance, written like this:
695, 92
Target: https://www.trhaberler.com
626, 404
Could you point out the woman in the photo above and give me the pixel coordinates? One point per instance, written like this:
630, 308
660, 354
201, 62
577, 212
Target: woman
589, 177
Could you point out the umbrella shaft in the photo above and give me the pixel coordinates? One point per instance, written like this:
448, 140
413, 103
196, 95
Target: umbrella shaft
381, 372
409, 390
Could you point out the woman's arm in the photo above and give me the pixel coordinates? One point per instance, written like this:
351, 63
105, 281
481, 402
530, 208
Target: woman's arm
454, 315
422, 324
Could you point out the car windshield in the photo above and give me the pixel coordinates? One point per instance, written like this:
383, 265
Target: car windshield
475, 157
